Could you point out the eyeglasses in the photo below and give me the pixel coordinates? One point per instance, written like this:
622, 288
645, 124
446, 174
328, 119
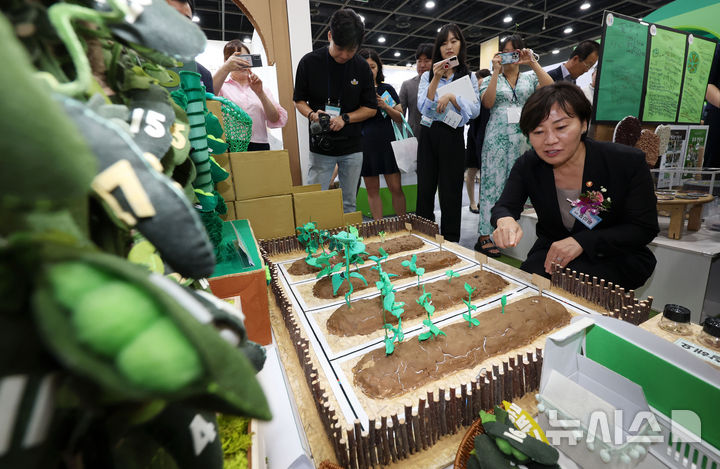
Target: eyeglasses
587, 67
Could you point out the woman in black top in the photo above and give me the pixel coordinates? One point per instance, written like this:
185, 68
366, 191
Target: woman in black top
565, 167
377, 132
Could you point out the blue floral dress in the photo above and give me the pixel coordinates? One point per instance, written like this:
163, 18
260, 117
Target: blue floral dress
504, 142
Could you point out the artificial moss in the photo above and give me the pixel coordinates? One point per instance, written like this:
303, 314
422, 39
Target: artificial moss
235, 440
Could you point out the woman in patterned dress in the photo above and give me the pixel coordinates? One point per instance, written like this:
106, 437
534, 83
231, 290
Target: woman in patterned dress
504, 93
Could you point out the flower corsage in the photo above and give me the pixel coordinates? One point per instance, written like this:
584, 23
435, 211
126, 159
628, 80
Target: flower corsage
592, 201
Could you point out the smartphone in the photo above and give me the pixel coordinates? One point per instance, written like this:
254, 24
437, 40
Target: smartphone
253, 59
510, 57
451, 62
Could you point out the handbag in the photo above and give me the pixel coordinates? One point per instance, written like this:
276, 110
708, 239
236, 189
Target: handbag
405, 147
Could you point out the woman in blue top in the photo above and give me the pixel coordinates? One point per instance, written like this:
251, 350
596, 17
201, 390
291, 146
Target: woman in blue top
441, 147
377, 132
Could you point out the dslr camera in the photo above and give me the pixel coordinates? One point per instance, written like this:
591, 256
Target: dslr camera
320, 132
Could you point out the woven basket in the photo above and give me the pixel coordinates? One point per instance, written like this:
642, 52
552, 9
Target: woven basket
468, 444
328, 465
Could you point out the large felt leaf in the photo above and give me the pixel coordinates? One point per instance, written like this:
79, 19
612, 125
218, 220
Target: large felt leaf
337, 280
358, 275
44, 157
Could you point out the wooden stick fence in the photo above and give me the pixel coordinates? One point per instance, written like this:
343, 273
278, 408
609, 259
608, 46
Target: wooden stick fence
613, 298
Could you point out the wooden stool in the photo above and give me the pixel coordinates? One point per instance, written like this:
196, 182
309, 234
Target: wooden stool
677, 207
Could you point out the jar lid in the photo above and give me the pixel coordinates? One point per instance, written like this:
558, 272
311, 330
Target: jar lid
712, 326
676, 313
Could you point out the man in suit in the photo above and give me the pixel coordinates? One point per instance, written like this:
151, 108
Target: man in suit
581, 60
409, 88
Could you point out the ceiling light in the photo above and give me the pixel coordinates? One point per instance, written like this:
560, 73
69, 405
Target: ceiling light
430, 5
362, 18
196, 19
507, 19
555, 51
381, 39
438, 30
396, 54
585, 6
568, 30
247, 40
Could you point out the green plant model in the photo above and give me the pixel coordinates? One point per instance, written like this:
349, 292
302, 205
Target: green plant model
411, 264
389, 305
433, 330
471, 307
352, 249
503, 302
451, 274
378, 260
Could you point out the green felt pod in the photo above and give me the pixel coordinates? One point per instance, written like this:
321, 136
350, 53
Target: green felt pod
160, 358
488, 454
536, 450
71, 281
225, 381
108, 318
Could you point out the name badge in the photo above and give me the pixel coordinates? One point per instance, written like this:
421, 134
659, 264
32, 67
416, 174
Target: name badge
334, 111
513, 115
452, 118
588, 218
426, 121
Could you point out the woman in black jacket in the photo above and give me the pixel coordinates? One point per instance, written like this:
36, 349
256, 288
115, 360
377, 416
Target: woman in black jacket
595, 201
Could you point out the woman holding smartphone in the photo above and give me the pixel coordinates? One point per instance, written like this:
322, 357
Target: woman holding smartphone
504, 93
236, 82
441, 145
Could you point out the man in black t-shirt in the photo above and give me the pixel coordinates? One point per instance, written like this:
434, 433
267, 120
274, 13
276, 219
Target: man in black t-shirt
336, 82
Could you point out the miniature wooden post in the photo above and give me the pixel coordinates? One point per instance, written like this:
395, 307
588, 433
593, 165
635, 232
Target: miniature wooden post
541, 282
408, 227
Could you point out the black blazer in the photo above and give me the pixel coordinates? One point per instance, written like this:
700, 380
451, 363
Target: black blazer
556, 74
629, 225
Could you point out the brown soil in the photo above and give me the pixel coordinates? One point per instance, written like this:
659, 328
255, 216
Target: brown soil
391, 246
365, 316
415, 363
430, 261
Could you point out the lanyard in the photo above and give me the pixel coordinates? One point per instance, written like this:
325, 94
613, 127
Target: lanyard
342, 84
515, 98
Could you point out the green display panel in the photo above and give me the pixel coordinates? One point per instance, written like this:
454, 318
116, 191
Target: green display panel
697, 70
622, 70
665, 76
235, 264
666, 386
363, 206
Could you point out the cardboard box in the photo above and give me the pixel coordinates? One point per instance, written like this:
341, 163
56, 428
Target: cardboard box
353, 218
230, 215
271, 217
260, 173
325, 208
215, 107
245, 285
225, 188
308, 188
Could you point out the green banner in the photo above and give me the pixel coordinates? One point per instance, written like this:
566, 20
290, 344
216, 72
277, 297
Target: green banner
697, 70
665, 74
622, 70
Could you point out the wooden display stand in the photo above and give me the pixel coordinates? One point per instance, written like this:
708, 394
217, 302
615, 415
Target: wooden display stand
676, 207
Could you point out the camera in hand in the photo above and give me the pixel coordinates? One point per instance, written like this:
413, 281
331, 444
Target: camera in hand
320, 130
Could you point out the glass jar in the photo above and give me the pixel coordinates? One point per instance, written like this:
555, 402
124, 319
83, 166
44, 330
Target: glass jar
710, 335
676, 320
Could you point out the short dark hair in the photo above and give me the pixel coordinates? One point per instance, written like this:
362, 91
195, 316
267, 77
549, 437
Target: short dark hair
371, 54
482, 73
347, 28
426, 49
567, 95
517, 41
584, 49
442, 36
234, 45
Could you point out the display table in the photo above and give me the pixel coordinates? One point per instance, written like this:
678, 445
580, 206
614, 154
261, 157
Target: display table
677, 207
687, 270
